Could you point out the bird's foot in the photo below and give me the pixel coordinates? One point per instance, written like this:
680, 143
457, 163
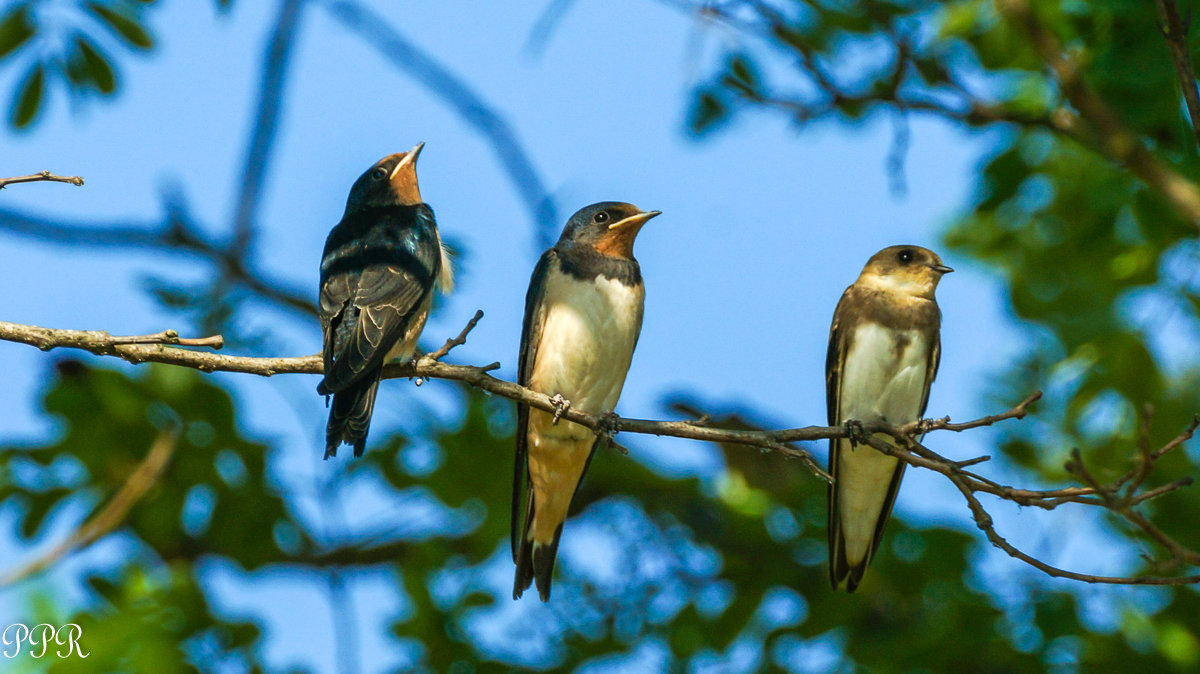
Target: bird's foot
416, 361
926, 425
561, 405
609, 425
855, 432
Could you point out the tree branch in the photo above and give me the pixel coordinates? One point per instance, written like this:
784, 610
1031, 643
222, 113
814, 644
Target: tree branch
1175, 34
457, 341
176, 235
1113, 137
466, 103
269, 97
157, 348
1093, 123
44, 176
91, 530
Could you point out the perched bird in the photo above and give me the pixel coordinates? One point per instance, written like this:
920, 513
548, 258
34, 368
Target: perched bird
377, 276
884, 348
583, 314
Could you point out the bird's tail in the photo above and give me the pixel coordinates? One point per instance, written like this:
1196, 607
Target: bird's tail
535, 560
350, 417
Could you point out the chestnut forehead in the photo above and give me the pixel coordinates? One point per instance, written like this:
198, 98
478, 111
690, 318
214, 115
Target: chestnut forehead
623, 210
390, 160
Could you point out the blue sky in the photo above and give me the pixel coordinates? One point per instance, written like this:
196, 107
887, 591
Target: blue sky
764, 225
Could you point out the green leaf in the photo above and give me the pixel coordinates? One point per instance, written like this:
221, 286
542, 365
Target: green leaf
15, 30
708, 111
743, 76
123, 25
28, 100
97, 66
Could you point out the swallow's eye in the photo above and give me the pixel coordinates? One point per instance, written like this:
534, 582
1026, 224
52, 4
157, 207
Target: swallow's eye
600, 218
379, 173
905, 256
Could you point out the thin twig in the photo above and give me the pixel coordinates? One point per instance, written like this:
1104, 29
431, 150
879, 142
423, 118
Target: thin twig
1175, 34
439, 80
177, 235
1112, 135
270, 95
1092, 122
1018, 412
171, 337
457, 341
136, 485
97, 341
44, 176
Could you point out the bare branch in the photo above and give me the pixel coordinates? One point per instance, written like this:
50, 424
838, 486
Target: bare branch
269, 97
985, 524
176, 236
1093, 123
1176, 36
96, 341
44, 176
457, 341
1113, 137
172, 337
924, 426
136, 485
376, 30
906, 448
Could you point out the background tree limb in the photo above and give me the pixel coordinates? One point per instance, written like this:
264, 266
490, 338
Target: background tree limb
908, 448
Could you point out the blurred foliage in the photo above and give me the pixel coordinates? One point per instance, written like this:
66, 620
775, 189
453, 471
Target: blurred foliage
723, 571
701, 567
1097, 263
73, 44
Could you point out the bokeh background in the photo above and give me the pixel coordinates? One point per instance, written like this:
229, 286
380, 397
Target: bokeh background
785, 143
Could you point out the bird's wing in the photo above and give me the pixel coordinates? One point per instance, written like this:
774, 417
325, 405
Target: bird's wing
368, 300
931, 369
531, 337
835, 359
833, 362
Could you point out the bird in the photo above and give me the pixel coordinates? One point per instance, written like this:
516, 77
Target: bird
884, 350
583, 315
378, 271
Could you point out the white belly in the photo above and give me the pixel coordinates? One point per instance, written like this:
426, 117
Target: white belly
588, 336
883, 378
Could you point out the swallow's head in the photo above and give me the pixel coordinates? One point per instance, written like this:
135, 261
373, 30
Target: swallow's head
609, 227
911, 270
391, 181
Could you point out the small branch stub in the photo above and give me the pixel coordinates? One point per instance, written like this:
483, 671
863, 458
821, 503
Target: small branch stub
43, 177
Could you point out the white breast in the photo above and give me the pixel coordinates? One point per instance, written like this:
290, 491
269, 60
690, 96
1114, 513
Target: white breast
587, 341
883, 376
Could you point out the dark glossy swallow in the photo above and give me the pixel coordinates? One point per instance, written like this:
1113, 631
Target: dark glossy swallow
377, 276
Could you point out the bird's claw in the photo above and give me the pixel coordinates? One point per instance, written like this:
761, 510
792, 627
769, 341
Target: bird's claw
855, 432
609, 424
561, 405
414, 362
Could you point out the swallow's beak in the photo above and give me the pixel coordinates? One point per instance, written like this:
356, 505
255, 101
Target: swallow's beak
410, 157
634, 221
941, 268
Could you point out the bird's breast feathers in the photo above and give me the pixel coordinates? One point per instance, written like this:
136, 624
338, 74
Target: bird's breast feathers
884, 374
589, 331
